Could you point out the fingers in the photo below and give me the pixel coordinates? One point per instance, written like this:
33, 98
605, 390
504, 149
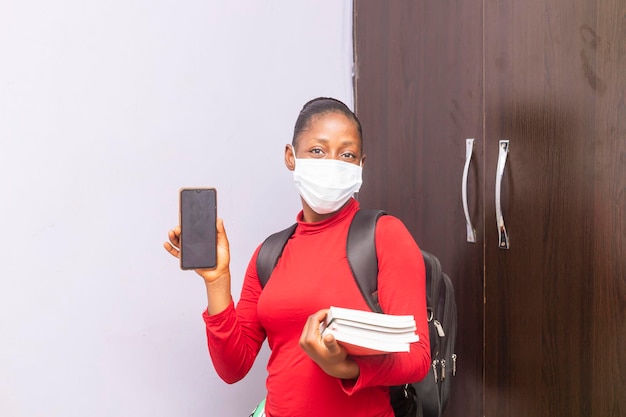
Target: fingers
223, 251
311, 337
312, 325
174, 236
172, 247
320, 316
325, 351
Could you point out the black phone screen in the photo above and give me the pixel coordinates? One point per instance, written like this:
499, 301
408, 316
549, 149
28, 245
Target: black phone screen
198, 239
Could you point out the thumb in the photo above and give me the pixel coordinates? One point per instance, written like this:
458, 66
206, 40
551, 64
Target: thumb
331, 343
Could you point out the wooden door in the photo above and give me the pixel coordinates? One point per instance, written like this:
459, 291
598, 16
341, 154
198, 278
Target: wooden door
549, 77
555, 87
419, 97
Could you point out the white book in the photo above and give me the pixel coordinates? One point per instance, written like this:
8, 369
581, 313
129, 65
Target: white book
368, 333
359, 346
371, 318
373, 327
393, 337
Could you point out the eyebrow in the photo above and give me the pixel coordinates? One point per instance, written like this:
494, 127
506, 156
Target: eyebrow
346, 142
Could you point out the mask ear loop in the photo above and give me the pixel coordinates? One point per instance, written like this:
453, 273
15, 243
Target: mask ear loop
293, 151
356, 195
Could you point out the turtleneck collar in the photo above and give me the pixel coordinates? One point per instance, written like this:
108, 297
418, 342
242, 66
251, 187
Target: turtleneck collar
311, 228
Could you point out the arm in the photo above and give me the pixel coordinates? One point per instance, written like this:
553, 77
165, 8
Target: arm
401, 290
234, 335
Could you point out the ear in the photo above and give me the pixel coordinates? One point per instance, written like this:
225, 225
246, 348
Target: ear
363, 161
290, 160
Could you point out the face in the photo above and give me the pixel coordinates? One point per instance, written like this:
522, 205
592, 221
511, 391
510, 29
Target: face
330, 136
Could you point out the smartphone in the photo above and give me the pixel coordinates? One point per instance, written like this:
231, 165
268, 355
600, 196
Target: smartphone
198, 237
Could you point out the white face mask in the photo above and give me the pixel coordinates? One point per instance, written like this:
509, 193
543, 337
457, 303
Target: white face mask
326, 184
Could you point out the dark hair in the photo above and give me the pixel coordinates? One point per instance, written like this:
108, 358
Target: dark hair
319, 106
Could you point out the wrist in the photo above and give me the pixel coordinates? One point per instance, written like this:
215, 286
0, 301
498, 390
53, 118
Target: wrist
217, 280
218, 294
348, 369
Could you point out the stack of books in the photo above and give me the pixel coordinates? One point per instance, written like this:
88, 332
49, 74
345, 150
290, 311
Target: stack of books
368, 333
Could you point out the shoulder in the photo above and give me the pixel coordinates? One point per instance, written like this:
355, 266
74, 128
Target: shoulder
391, 233
390, 224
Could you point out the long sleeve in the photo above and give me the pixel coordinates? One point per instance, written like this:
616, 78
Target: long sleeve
401, 290
235, 335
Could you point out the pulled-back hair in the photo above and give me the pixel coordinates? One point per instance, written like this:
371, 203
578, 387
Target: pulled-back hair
320, 106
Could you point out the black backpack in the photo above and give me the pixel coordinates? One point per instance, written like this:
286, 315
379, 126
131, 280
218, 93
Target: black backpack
430, 396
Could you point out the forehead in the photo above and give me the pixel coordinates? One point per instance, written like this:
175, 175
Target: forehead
331, 125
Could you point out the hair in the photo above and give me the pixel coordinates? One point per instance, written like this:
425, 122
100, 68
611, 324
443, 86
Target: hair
321, 106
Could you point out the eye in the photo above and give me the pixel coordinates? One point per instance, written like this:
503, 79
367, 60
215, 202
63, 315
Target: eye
348, 156
317, 151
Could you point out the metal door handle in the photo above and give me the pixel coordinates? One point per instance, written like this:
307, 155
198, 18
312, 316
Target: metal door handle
469, 148
503, 237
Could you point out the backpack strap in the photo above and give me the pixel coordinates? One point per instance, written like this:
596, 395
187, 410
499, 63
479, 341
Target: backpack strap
361, 253
270, 251
363, 260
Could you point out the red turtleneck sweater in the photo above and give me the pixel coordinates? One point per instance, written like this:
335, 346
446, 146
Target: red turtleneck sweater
313, 274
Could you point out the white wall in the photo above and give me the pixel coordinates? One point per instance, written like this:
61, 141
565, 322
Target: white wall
106, 109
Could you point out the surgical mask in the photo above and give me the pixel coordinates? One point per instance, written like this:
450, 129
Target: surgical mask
326, 184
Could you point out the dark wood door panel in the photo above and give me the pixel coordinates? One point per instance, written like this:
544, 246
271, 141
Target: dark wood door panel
419, 96
608, 311
546, 297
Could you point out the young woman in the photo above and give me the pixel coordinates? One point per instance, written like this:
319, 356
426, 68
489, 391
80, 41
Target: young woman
309, 375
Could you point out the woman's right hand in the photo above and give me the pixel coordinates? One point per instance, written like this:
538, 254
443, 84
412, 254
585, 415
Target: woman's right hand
217, 280
222, 270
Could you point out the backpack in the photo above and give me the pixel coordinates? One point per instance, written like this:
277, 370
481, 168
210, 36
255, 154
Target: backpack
430, 396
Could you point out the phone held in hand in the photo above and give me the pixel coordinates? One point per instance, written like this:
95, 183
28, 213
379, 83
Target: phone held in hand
198, 238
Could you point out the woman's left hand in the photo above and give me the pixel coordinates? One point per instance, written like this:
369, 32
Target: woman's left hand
325, 351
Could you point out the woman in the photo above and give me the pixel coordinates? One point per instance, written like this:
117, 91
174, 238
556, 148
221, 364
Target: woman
309, 375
